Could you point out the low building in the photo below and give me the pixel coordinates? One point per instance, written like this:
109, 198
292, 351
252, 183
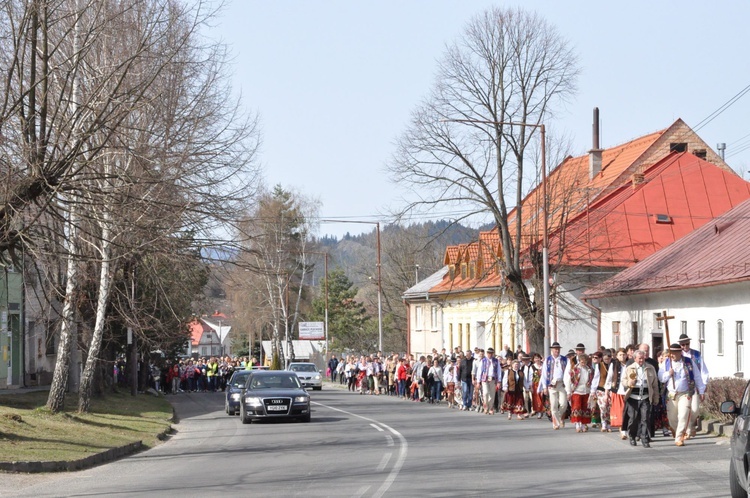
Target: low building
702, 281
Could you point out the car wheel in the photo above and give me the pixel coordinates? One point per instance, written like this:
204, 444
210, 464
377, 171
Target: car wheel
305, 418
243, 415
735, 487
226, 408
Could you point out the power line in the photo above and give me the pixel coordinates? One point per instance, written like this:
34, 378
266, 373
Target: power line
729, 103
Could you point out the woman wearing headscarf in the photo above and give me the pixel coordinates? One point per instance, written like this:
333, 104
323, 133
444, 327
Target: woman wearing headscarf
514, 383
578, 386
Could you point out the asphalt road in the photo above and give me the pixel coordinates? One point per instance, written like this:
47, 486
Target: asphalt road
365, 446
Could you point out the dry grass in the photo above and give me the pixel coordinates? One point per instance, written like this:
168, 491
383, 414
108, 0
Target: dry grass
29, 432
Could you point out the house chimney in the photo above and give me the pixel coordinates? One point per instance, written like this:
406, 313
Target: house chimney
638, 179
595, 154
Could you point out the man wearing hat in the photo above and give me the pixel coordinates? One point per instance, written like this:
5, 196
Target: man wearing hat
642, 394
695, 355
489, 374
551, 384
684, 382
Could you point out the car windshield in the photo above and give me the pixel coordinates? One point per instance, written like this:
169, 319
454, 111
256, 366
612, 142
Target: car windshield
279, 381
239, 378
304, 367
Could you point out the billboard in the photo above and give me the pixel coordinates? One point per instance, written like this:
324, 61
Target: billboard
310, 331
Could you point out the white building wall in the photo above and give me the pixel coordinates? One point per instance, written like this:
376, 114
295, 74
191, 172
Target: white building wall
717, 306
572, 321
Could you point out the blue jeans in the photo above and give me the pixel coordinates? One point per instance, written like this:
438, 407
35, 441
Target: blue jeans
437, 390
402, 388
467, 393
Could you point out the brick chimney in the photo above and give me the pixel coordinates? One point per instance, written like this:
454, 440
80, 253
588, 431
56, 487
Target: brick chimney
595, 154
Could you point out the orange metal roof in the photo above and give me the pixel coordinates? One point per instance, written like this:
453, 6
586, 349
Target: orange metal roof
622, 229
717, 253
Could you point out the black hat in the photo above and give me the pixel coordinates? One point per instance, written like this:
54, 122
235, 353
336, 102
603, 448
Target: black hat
580, 346
490, 350
453, 360
675, 347
684, 338
555, 345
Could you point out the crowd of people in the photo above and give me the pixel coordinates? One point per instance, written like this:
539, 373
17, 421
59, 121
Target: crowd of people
623, 389
194, 375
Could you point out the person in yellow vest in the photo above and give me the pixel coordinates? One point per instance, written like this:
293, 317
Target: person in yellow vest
212, 373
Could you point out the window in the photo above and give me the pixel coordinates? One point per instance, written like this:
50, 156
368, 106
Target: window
720, 337
494, 339
463, 270
658, 322
204, 351
701, 153
634, 332
461, 337
678, 147
472, 269
50, 335
450, 336
701, 335
740, 340
683, 327
663, 219
616, 335
417, 318
468, 337
452, 271
433, 318
500, 336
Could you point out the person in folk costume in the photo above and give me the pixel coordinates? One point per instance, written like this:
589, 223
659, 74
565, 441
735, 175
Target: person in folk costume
539, 402
642, 394
578, 387
598, 388
551, 384
615, 389
450, 376
698, 359
528, 373
683, 380
490, 372
514, 385
596, 417
659, 413
572, 362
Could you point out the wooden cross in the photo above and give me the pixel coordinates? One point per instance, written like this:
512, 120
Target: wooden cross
664, 318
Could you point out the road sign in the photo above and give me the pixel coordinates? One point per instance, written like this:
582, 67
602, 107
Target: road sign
311, 331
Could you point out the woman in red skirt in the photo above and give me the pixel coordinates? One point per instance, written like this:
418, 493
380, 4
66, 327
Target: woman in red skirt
616, 389
514, 383
578, 386
538, 404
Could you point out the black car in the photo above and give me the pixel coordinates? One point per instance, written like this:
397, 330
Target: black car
274, 394
739, 467
234, 391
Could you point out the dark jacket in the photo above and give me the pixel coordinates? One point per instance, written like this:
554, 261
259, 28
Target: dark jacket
464, 370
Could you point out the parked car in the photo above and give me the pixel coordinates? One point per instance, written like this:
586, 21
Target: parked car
234, 391
739, 466
274, 394
308, 374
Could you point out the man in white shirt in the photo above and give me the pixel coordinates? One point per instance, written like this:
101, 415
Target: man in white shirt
489, 374
683, 380
551, 384
694, 355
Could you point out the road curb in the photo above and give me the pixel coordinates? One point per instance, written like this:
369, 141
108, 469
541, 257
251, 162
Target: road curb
716, 427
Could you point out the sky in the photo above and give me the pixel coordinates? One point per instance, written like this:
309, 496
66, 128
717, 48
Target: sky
334, 82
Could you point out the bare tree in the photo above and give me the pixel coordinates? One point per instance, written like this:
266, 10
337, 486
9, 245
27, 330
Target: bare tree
460, 150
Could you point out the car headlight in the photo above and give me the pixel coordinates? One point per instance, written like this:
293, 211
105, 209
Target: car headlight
235, 396
301, 399
317, 377
253, 401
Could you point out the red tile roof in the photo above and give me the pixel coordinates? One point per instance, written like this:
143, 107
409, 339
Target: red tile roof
197, 327
717, 253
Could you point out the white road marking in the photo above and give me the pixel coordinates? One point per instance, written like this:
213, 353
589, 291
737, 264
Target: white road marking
384, 461
361, 491
389, 440
403, 450
377, 427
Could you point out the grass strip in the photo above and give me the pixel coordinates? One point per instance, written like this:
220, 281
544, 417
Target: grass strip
29, 432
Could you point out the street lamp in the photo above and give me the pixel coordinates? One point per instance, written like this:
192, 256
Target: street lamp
380, 306
545, 234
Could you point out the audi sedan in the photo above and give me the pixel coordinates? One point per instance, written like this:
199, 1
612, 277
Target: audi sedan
308, 374
274, 394
739, 472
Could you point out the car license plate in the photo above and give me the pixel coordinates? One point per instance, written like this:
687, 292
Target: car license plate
277, 408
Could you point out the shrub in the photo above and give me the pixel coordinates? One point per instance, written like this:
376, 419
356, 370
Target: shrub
720, 390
